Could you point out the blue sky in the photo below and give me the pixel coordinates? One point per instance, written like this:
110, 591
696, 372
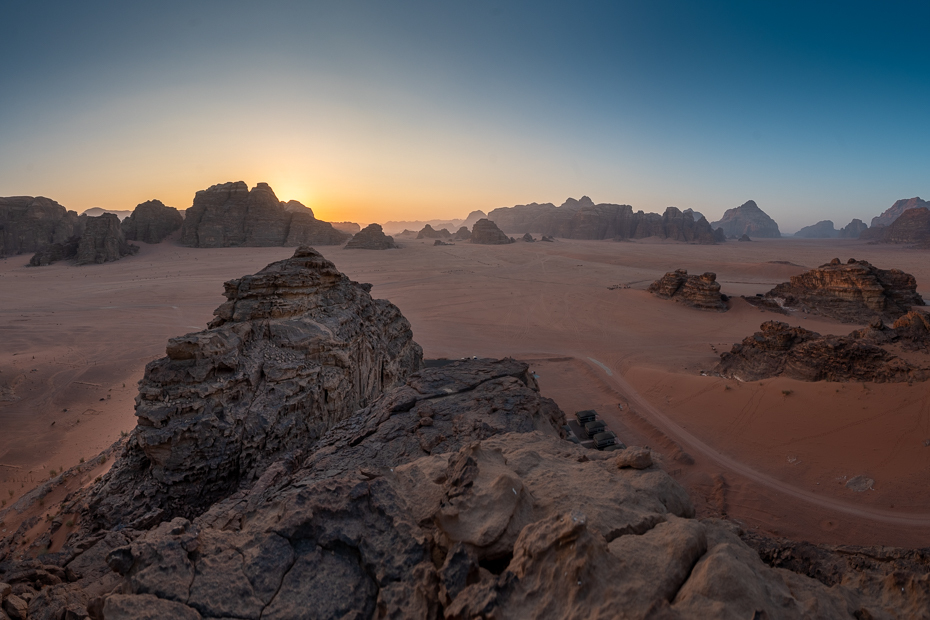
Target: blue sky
398, 110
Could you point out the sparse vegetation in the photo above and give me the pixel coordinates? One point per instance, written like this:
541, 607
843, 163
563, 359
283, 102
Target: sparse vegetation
52, 473
787, 392
123, 434
82, 460
727, 387
98, 478
69, 523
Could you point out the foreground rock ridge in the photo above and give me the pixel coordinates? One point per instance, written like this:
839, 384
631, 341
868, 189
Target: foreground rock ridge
295, 348
582, 219
854, 292
229, 215
292, 461
701, 291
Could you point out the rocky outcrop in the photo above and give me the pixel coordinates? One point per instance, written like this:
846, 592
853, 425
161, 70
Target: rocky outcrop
695, 215
56, 252
912, 227
582, 219
427, 232
854, 292
701, 291
229, 215
451, 495
797, 353
744, 237
896, 210
748, 219
462, 234
151, 222
102, 241
528, 238
371, 238
296, 348
486, 232
853, 229
821, 230
29, 225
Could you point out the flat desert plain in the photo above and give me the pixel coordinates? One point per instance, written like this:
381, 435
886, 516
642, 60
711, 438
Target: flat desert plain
773, 455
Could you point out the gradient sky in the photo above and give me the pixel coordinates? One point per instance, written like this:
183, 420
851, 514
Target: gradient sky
369, 111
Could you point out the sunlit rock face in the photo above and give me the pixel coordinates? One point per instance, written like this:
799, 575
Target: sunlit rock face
897, 209
854, 292
295, 348
229, 215
701, 291
748, 219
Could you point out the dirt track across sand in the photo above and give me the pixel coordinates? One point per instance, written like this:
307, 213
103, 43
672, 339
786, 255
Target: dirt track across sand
769, 460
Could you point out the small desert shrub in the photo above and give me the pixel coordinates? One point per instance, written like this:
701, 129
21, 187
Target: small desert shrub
69, 523
52, 473
123, 434
787, 392
727, 387
82, 460
98, 478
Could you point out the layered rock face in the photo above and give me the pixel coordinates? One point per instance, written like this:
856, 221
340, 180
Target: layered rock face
701, 291
451, 495
102, 241
780, 350
748, 219
427, 232
911, 227
151, 222
854, 292
296, 348
582, 219
371, 237
897, 209
31, 224
229, 215
486, 232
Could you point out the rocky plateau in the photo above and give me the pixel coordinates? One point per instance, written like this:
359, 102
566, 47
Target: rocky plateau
854, 292
701, 291
296, 459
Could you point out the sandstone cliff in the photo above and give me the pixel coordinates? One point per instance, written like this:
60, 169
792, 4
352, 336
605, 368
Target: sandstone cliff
29, 225
371, 238
911, 227
486, 232
864, 355
462, 234
823, 229
696, 291
250, 489
896, 210
102, 241
151, 222
582, 219
229, 215
427, 232
853, 229
854, 292
748, 219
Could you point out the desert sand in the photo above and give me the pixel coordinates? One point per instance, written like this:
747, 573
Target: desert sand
773, 454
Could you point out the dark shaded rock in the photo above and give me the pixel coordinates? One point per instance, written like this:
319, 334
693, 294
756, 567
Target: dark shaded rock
428, 233
748, 219
462, 234
854, 292
229, 215
912, 227
745, 237
151, 222
296, 348
896, 210
102, 241
853, 229
547, 239
821, 230
371, 238
780, 350
528, 238
486, 232
56, 252
696, 291
441, 242
582, 219
29, 225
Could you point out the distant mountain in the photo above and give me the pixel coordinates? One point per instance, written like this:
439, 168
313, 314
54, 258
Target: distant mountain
97, 212
895, 211
821, 230
748, 219
583, 219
